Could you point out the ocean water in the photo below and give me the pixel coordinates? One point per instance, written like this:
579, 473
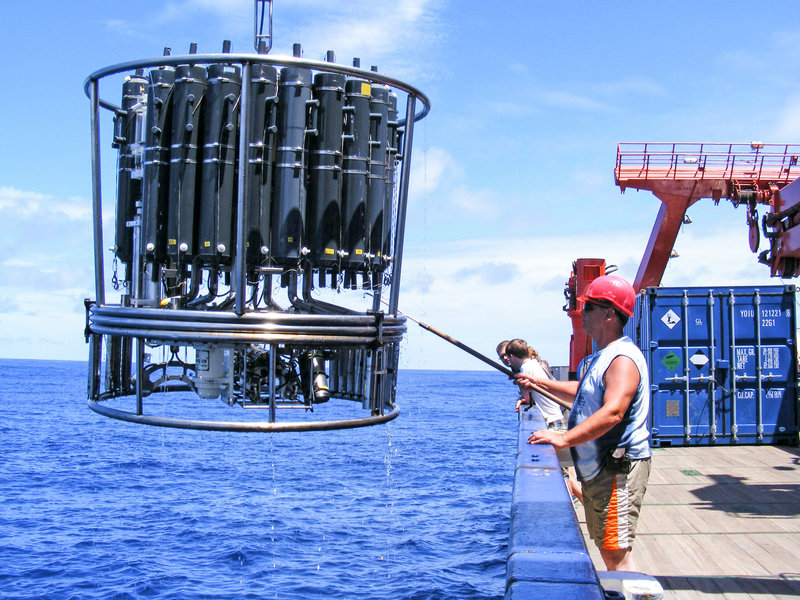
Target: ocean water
92, 507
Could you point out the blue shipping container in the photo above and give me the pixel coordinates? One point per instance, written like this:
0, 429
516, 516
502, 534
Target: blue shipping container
723, 364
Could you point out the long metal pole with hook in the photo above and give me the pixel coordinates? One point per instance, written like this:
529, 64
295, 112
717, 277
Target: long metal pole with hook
484, 358
489, 361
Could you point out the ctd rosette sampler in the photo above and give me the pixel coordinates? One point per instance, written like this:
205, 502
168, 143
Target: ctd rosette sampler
258, 238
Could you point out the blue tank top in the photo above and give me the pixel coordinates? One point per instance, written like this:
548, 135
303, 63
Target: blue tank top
631, 433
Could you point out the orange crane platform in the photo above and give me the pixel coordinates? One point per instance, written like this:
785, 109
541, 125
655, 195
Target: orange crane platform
681, 174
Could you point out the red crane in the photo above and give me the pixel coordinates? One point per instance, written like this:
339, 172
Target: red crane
679, 175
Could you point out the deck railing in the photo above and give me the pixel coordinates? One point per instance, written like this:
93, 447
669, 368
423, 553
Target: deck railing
545, 561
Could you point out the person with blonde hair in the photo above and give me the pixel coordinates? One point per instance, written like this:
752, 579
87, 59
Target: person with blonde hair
524, 359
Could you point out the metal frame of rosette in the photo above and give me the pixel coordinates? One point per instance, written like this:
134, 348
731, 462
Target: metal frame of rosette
237, 341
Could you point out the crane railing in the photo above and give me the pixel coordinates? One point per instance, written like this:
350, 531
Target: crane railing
689, 161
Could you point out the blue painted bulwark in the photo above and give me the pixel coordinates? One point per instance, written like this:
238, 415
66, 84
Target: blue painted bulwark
547, 556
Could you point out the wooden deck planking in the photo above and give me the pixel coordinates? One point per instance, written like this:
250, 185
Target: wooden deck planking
721, 522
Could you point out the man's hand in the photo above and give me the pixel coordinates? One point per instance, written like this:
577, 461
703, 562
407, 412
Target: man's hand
523, 380
545, 436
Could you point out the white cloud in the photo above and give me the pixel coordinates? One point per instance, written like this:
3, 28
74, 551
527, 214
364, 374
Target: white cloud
45, 274
570, 100
46, 244
442, 197
431, 168
19, 202
121, 27
788, 121
397, 37
24, 204
541, 95
402, 38
469, 202
43, 325
540, 98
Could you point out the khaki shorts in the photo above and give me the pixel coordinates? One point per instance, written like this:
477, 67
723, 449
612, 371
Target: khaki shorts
613, 500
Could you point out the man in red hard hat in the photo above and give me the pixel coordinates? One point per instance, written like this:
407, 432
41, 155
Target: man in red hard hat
607, 428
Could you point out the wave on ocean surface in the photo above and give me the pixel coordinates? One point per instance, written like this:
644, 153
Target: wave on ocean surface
97, 508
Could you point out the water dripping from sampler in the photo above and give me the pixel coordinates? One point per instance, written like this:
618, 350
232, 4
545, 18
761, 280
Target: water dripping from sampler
390, 487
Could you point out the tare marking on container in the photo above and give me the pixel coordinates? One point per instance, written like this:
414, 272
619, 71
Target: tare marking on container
699, 359
742, 354
670, 318
770, 357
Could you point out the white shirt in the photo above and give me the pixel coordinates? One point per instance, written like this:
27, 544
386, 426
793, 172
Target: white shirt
550, 410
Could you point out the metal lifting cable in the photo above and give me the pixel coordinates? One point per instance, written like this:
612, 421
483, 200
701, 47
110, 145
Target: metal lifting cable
263, 41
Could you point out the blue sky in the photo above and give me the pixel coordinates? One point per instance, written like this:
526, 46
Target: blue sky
512, 173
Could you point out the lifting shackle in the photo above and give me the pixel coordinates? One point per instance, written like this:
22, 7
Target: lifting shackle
263, 41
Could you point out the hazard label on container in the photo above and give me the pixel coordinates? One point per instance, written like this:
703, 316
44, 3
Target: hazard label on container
699, 359
670, 318
672, 361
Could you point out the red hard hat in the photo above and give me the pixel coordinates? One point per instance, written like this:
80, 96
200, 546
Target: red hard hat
612, 289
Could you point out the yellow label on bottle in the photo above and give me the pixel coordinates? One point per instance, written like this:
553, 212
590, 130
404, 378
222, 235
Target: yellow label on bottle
359, 252
206, 244
329, 251
366, 89
173, 242
290, 239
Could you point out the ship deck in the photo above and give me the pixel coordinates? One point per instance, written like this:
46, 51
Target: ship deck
720, 522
